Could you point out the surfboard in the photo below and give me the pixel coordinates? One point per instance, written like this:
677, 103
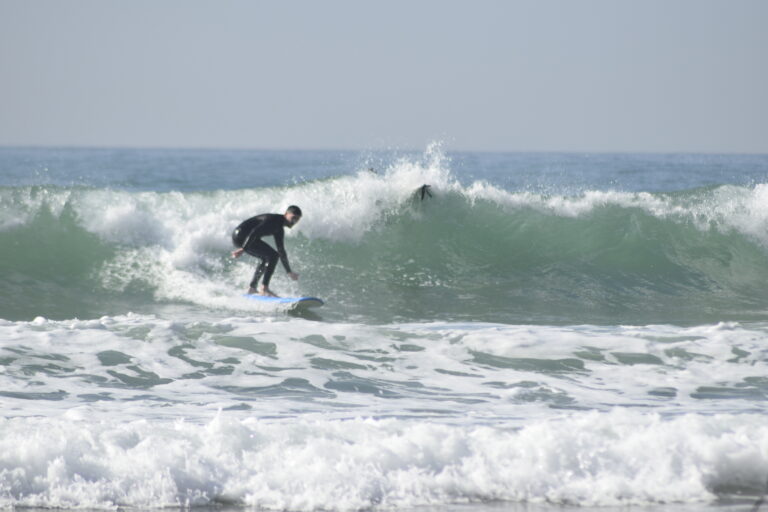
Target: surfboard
295, 302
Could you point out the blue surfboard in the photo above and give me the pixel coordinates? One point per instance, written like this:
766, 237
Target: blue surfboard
295, 302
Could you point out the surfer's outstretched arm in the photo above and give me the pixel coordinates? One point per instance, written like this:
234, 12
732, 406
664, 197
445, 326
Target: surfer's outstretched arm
279, 237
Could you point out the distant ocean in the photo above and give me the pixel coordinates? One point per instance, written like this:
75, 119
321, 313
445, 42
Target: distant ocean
540, 332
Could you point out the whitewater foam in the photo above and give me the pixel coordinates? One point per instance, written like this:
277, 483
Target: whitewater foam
261, 364
616, 458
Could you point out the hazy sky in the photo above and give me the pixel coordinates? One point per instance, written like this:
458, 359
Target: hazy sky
539, 75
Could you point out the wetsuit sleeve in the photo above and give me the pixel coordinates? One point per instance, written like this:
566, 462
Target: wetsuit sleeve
279, 235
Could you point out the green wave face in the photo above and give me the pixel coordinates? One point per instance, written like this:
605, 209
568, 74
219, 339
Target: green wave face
377, 253
453, 259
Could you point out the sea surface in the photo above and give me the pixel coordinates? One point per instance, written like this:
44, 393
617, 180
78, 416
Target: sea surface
539, 332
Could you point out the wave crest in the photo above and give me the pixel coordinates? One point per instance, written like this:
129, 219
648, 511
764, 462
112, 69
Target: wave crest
371, 243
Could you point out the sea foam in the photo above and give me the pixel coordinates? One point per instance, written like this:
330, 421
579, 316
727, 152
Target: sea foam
615, 458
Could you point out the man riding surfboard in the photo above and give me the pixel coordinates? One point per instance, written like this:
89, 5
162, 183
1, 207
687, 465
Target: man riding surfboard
248, 238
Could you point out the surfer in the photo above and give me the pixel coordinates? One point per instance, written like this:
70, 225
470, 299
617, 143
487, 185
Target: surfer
247, 237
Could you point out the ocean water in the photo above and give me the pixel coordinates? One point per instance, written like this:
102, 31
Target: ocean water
543, 332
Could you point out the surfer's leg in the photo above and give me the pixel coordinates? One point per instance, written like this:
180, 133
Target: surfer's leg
268, 261
257, 275
271, 263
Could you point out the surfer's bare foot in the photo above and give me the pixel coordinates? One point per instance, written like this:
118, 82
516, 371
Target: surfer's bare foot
266, 292
252, 291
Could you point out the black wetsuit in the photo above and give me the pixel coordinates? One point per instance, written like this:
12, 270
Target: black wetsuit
248, 236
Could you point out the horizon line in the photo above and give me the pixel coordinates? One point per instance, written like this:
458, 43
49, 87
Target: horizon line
127, 147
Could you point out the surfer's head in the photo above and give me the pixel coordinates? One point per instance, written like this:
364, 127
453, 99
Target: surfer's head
292, 216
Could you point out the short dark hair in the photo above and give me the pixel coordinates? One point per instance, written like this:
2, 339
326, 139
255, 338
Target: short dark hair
294, 210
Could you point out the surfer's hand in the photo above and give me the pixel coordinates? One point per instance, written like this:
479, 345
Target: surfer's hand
237, 253
293, 275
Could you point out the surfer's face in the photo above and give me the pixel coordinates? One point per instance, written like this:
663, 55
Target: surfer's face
291, 219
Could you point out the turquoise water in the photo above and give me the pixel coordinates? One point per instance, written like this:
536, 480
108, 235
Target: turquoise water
544, 330
592, 246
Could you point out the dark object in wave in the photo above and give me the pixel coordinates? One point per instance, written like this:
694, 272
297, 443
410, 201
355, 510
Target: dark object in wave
424, 191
